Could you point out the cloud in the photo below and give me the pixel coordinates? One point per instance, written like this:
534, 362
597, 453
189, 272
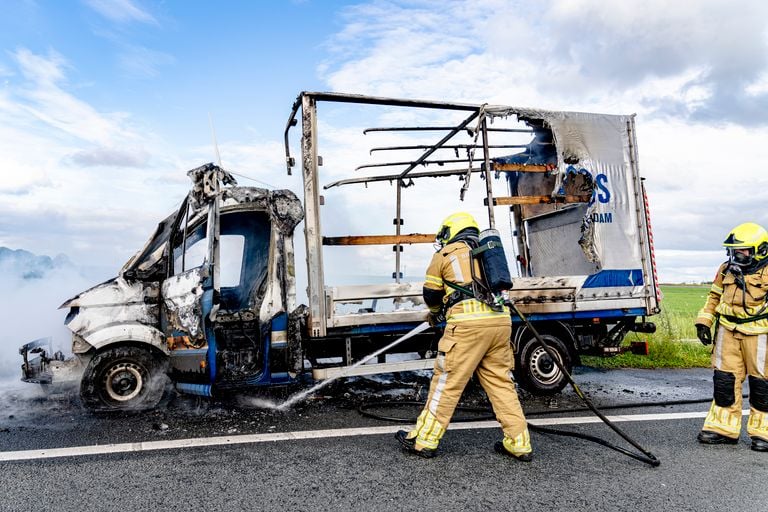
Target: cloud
96, 237
40, 97
630, 40
77, 180
121, 11
141, 62
677, 267
696, 77
134, 59
110, 157
584, 53
759, 86
701, 180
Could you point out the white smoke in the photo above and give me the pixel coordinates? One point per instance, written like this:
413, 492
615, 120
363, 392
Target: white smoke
29, 308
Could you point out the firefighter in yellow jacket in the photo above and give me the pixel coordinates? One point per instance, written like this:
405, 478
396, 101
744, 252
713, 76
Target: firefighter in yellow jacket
476, 340
737, 306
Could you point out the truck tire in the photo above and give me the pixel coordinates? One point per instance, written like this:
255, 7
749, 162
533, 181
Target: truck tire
122, 379
534, 369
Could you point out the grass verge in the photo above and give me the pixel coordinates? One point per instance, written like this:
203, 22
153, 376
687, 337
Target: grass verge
674, 344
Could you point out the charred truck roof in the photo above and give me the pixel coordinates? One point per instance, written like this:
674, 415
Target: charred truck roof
283, 206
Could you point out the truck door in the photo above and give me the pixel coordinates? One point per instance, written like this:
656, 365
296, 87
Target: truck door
217, 337
240, 337
187, 295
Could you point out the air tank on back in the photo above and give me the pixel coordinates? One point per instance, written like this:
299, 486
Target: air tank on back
494, 261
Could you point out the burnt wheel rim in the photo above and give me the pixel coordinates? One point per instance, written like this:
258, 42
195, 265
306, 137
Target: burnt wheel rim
543, 368
124, 381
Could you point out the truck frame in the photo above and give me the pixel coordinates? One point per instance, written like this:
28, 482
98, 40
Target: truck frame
211, 299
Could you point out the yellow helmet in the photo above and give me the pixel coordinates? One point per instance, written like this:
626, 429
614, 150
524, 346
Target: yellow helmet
453, 225
749, 236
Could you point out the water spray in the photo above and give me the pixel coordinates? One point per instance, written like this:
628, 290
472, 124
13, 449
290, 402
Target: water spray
298, 397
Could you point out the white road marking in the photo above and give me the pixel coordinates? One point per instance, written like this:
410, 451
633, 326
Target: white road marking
144, 446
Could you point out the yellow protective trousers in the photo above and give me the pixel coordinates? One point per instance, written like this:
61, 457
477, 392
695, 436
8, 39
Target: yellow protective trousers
483, 348
735, 356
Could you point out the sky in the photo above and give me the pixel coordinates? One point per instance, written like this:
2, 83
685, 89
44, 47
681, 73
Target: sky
105, 104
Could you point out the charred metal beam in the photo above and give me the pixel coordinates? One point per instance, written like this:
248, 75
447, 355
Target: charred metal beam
487, 168
522, 167
377, 100
398, 228
292, 121
366, 100
447, 146
415, 238
437, 129
505, 201
413, 162
312, 230
442, 141
392, 177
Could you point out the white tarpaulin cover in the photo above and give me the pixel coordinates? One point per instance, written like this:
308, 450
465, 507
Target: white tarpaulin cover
609, 227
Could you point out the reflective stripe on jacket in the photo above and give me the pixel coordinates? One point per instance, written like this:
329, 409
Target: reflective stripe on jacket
452, 263
727, 298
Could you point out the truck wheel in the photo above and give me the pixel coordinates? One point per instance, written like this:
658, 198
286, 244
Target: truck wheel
122, 379
534, 369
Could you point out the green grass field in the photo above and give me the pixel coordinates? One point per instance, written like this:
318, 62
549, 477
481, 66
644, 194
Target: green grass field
674, 345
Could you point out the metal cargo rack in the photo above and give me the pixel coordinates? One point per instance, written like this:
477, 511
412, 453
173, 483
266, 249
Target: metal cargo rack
474, 157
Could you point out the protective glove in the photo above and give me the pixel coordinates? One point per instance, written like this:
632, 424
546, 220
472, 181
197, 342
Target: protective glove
705, 336
436, 319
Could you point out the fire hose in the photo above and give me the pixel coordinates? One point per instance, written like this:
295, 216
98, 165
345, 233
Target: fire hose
644, 455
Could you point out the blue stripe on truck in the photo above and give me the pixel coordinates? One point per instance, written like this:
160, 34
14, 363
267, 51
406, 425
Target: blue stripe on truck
606, 313
623, 277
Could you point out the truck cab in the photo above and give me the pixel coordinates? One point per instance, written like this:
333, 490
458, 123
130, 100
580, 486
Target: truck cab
205, 302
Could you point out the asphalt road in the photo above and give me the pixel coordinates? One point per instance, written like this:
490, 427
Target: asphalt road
367, 470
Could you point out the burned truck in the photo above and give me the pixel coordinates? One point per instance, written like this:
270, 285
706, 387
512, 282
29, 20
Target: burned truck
210, 301
197, 302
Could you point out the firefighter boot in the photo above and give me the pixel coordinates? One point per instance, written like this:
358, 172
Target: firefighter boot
707, 437
759, 445
409, 445
518, 447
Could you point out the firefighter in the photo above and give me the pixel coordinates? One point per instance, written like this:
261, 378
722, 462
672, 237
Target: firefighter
737, 306
476, 340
